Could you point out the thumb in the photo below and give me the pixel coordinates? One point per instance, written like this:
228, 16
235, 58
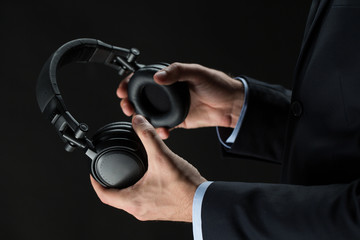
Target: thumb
177, 72
148, 135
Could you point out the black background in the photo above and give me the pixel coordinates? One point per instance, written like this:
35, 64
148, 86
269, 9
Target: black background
45, 192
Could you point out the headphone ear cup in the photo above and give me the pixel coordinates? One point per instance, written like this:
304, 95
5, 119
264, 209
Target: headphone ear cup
163, 105
120, 159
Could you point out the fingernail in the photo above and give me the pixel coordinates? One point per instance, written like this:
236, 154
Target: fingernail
162, 135
161, 74
138, 120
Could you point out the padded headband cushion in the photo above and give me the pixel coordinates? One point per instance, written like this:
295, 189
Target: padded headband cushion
75, 51
80, 51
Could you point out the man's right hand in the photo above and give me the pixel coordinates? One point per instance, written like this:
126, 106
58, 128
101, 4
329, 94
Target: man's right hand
216, 98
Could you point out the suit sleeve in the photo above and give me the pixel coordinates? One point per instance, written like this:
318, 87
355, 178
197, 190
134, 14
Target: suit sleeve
262, 132
279, 211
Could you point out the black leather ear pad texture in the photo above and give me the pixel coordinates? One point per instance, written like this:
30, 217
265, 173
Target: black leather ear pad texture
164, 106
121, 159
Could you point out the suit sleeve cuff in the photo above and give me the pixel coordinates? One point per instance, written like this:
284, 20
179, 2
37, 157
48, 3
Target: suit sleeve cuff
231, 139
196, 212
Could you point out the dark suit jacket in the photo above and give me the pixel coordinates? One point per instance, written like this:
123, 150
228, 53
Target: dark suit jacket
314, 131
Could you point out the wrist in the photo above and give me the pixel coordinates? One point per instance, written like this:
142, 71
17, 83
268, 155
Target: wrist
186, 209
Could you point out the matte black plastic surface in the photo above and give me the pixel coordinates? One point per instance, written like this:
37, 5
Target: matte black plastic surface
121, 159
118, 168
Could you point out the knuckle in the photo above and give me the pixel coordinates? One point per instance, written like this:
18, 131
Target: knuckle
176, 68
148, 133
188, 70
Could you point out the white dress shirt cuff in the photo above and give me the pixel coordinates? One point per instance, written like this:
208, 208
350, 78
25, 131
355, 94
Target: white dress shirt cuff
235, 132
196, 212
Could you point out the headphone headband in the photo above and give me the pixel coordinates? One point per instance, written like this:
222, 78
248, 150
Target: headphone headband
118, 158
83, 50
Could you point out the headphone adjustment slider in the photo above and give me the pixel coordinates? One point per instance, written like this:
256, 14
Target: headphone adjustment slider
125, 66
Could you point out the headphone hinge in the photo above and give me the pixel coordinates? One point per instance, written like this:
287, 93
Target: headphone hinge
125, 65
74, 142
70, 131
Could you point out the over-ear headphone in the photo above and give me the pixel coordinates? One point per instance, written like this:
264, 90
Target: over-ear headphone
118, 158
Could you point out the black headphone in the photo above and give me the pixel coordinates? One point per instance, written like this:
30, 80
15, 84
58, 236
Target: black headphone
118, 158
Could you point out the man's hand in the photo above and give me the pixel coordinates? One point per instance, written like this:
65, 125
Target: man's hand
167, 189
216, 98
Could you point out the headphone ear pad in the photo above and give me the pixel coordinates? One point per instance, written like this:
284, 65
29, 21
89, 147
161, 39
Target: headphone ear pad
163, 105
120, 159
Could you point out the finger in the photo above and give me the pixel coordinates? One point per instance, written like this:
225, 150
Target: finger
179, 72
127, 107
100, 190
164, 133
148, 136
121, 91
109, 196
